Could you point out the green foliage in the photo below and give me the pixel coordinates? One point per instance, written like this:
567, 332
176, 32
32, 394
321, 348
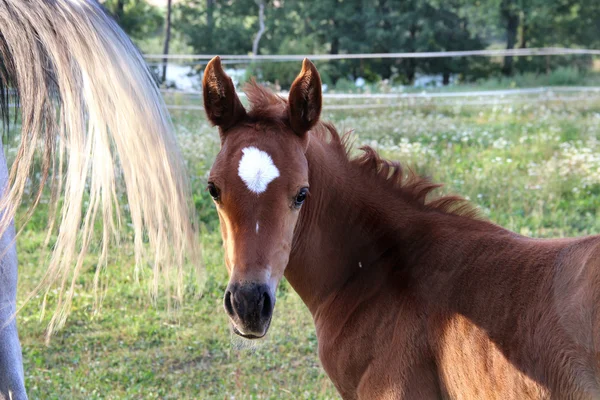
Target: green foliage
384, 26
565, 76
284, 73
211, 26
562, 76
545, 23
138, 18
331, 26
344, 85
380, 26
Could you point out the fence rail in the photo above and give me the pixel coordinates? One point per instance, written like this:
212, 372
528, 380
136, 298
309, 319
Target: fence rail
467, 98
424, 94
475, 97
540, 51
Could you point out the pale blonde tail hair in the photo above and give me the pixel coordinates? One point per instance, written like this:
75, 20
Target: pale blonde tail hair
90, 105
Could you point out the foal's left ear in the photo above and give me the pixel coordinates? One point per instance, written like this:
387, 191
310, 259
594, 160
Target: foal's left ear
305, 99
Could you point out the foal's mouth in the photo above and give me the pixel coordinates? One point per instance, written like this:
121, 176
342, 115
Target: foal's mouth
250, 336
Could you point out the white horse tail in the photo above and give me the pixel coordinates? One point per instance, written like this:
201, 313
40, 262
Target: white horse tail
89, 103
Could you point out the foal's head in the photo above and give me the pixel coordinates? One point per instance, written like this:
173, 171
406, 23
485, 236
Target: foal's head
259, 182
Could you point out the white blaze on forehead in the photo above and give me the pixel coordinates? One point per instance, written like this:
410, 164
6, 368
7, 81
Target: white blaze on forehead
257, 169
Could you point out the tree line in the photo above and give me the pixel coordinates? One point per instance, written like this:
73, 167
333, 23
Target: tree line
377, 26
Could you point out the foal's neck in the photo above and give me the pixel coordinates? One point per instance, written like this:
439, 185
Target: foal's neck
356, 233
350, 228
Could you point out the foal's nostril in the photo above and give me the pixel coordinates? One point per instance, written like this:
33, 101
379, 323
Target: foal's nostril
227, 303
267, 305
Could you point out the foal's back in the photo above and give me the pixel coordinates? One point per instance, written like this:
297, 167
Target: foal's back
498, 316
520, 319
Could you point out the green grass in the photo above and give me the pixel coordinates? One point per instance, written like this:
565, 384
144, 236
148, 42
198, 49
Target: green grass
533, 168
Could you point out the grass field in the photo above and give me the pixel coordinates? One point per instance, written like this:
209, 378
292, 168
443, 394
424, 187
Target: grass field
533, 168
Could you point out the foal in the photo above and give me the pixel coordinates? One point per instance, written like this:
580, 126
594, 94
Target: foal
411, 299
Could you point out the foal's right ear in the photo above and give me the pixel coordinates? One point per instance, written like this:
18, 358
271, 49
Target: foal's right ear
221, 103
305, 99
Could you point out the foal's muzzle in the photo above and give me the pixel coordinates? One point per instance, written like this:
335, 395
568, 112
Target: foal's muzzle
250, 307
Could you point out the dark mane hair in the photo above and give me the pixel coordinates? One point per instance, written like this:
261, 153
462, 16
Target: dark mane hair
266, 106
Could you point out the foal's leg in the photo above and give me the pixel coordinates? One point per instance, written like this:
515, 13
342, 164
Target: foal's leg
389, 381
12, 383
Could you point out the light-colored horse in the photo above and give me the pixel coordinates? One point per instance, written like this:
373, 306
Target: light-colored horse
86, 100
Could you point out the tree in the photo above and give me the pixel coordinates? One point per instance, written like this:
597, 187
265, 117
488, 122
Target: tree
167, 40
543, 23
261, 23
138, 18
120, 9
510, 16
384, 26
448, 29
211, 26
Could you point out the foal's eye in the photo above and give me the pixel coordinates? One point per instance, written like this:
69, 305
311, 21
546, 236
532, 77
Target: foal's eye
300, 197
213, 190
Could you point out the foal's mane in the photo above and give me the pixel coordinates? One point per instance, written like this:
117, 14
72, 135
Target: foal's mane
268, 107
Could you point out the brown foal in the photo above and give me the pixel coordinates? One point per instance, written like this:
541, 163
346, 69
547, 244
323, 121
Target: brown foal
411, 298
